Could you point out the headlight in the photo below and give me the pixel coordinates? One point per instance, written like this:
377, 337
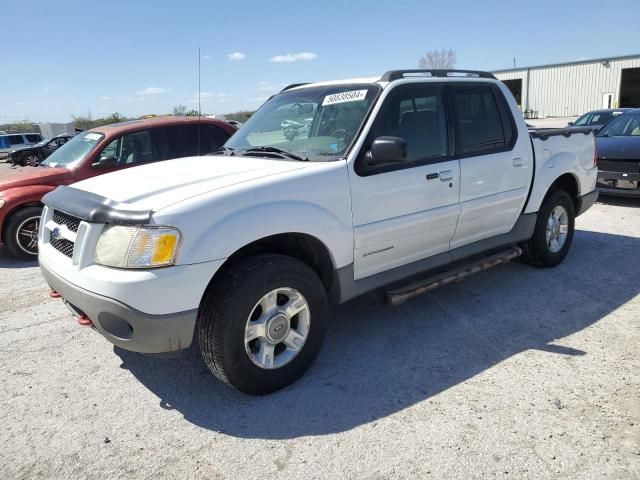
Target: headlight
145, 246
2, 202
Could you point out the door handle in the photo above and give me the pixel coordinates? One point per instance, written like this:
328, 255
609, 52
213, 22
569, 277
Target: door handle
517, 162
446, 175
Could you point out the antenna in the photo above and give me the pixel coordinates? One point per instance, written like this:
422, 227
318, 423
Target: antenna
199, 106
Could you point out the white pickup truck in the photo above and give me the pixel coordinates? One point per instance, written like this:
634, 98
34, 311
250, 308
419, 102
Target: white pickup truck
242, 252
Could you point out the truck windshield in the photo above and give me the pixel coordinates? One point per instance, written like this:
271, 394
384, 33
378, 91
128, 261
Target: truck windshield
626, 125
315, 124
74, 151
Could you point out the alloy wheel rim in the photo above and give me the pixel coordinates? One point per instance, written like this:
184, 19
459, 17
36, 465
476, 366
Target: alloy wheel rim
277, 328
557, 228
27, 235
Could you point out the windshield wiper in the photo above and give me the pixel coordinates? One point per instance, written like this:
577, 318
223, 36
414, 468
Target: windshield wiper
277, 151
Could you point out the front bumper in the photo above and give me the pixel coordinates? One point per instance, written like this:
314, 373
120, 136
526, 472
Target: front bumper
123, 325
611, 183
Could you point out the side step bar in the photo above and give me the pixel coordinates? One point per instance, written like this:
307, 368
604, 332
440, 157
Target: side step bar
402, 294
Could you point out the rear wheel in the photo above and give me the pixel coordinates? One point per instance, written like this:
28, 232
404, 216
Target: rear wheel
22, 233
553, 234
261, 325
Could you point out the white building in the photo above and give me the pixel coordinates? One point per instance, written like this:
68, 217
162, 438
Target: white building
573, 88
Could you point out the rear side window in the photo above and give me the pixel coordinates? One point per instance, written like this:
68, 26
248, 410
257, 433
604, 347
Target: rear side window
3, 142
211, 138
483, 121
33, 137
181, 141
15, 139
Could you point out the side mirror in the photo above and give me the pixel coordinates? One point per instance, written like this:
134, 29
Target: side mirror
570, 124
106, 162
387, 150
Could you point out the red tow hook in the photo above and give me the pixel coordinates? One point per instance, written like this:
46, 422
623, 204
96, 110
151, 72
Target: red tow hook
84, 320
54, 294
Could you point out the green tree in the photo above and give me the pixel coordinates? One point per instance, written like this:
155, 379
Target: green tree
179, 109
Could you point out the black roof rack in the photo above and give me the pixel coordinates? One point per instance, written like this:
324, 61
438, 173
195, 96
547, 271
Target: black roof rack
392, 75
293, 85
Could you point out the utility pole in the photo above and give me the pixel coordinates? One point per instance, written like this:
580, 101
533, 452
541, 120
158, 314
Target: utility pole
514, 62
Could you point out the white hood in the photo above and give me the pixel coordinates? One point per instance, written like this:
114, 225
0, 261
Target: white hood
157, 185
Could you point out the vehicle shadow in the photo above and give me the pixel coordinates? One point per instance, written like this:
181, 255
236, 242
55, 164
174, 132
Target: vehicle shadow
378, 360
7, 261
619, 201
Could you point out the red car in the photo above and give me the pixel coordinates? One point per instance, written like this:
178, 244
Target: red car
94, 152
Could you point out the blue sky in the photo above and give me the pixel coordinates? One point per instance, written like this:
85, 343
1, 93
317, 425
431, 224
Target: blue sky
137, 56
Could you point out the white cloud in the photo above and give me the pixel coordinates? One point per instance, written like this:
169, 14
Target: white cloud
293, 57
23, 104
106, 98
206, 97
206, 57
48, 88
235, 56
152, 91
269, 87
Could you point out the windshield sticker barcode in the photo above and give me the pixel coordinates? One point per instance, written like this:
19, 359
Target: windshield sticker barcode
342, 97
92, 136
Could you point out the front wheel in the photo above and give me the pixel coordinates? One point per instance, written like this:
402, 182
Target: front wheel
22, 233
553, 234
261, 325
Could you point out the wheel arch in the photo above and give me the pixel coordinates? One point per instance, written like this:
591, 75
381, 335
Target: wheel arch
569, 183
302, 246
12, 212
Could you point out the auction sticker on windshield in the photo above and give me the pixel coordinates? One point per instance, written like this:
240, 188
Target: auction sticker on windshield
92, 136
342, 97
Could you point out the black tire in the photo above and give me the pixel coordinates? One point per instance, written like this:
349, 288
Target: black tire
227, 305
17, 242
536, 251
31, 159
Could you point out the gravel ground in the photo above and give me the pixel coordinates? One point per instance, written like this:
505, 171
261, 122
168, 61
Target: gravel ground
516, 372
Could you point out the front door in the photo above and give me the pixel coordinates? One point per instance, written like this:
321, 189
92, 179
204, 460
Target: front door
406, 211
495, 163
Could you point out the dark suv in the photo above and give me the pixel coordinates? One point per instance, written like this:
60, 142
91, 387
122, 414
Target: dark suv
34, 154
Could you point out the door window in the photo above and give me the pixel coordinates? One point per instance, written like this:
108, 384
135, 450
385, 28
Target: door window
480, 126
16, 139
416, 114
131, 148
34, 138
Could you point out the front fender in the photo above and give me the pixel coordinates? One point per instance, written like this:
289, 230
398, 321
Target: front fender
17, 197
242, 227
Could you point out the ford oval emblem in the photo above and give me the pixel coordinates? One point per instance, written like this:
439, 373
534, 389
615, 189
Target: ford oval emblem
55, 233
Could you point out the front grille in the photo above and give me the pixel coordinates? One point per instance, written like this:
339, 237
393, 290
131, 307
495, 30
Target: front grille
70, 221
619, 166
63, 245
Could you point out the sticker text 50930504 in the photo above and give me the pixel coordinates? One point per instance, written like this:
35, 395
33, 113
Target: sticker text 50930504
352, 96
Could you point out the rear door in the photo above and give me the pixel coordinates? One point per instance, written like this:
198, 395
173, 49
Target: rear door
406, 211
496, 164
